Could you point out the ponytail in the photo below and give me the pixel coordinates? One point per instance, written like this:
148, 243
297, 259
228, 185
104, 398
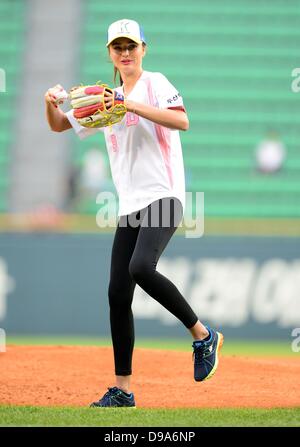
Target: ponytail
116, 72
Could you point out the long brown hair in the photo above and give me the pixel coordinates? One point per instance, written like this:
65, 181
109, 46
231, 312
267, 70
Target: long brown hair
116, 73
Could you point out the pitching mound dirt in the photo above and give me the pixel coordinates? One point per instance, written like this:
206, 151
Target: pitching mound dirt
78, 375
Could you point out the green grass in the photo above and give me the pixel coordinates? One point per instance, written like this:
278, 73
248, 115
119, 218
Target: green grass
188, 417
231, 347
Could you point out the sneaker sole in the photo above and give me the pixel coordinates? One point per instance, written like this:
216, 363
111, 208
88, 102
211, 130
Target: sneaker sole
116, 408
219, 346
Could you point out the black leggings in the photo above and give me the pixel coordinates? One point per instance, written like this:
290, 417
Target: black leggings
139, 241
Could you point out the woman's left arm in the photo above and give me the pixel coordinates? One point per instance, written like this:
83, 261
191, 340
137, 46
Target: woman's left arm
173, 119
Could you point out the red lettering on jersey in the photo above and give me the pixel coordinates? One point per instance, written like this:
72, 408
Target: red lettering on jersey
114, 142
131, 119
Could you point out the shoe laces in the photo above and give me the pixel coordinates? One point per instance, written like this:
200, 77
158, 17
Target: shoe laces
110, 394
200, 351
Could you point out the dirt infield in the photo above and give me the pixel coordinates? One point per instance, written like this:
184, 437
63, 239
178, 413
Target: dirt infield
78, 375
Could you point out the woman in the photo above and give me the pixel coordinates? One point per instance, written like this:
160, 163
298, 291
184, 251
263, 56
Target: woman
147, 168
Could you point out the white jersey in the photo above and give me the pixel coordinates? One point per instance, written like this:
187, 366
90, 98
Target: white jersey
145, 158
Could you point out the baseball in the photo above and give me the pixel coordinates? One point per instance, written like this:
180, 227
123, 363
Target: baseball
60, 93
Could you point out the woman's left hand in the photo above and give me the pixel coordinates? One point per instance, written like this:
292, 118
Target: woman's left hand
108, 99
130, 105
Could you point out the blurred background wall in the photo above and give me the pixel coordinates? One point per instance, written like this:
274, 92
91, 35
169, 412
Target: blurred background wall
232, 62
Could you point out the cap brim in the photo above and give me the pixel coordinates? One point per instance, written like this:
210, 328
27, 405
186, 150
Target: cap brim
124, 35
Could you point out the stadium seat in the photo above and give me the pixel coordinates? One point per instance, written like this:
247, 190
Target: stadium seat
12, 27
238, 57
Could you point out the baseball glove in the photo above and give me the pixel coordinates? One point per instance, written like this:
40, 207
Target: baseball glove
90, 109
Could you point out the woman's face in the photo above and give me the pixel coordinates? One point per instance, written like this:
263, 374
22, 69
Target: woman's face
126, 55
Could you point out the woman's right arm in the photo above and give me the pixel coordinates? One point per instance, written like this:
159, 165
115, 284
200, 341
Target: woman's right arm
57, 119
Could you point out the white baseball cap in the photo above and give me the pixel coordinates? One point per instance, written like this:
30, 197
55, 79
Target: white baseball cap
125, 28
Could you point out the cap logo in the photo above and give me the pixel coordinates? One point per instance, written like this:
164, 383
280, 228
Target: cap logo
123, 27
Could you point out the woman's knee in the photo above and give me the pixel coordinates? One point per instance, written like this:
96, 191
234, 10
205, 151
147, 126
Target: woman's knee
140, 270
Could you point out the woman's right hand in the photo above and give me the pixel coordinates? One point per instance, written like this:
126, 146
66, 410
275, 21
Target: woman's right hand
56, 118
50, 95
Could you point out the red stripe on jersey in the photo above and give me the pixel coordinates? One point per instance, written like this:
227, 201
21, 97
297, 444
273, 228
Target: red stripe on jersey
178, 108
163, 136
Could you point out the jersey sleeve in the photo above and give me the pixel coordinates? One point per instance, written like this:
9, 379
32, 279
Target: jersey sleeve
82, 132
167, 95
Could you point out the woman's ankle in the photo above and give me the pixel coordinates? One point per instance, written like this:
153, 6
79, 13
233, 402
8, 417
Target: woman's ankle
123, 383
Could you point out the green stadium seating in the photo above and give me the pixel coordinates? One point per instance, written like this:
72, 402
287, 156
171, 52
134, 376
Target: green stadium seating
232, 61
12, 27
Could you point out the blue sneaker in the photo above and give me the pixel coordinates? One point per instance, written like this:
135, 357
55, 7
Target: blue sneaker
115, 397
206, 355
